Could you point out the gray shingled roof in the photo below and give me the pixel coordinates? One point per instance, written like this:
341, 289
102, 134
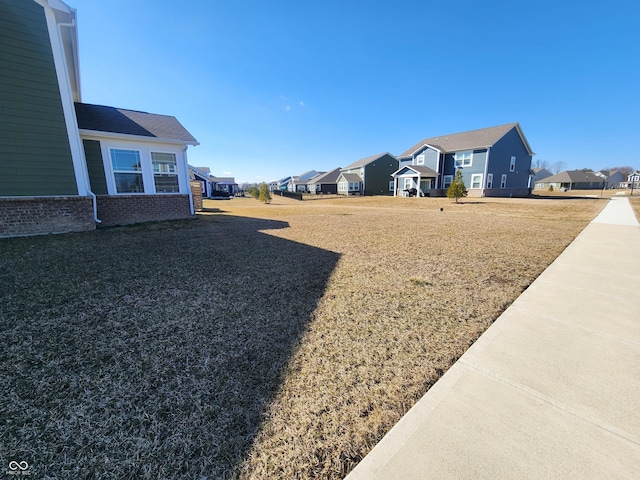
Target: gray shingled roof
474, 139
329, 177
366, 161
572, 176
131, 122
421, 169
352, 177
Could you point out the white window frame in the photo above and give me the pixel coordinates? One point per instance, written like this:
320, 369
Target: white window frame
144, 150
158, 174
512, 165
477, 179
392, 185
464, 159
420, 159
503, 181
115, 171
447, 180
343, 186
408, 183
489, 180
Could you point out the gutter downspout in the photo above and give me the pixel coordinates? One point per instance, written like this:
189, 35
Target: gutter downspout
486, 169
191, 207
85, 169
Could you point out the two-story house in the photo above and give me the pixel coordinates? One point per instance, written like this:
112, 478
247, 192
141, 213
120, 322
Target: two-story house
494, 161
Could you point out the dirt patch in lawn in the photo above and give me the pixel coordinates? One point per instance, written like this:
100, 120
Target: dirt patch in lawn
259, 341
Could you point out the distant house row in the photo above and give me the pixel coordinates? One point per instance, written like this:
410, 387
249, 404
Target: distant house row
580, 180
212, 186
494, 161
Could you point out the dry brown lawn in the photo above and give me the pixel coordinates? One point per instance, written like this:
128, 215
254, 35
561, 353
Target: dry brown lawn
259, 341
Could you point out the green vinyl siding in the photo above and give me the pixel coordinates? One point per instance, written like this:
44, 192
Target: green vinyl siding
35, 156
93, 154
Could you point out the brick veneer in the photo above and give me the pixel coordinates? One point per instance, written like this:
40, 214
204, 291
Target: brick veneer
126, 209
42, 215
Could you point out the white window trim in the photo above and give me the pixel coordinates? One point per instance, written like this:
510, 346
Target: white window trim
464, 162
444, 180
479, 182
512, 165
420, 159
144, 149
503, 181
391, 185
489, 180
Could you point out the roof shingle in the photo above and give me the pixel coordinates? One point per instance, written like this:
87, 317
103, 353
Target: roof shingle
474, 139
131, 122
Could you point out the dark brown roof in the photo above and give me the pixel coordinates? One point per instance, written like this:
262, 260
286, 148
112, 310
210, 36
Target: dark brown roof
471, 140
131, 122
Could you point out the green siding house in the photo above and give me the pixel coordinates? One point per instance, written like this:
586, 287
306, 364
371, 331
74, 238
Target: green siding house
64, 164
368, 176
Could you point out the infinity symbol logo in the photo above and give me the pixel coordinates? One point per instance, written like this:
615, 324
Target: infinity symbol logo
13, 465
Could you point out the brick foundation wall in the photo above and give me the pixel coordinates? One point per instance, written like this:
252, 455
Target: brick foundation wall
127, 209
42, 215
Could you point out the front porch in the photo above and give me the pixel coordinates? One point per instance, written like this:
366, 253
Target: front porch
414, 180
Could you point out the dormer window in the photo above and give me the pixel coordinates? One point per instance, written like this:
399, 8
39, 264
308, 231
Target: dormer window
463, 159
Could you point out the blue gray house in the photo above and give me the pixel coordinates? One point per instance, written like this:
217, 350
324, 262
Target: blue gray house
495, 162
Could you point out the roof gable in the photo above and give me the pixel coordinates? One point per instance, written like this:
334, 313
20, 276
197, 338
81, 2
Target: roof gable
471, 140
101, 118
329, 177
367, 160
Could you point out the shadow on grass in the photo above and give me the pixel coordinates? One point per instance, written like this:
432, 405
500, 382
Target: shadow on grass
148, 352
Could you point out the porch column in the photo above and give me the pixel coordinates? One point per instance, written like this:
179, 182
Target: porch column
395, 186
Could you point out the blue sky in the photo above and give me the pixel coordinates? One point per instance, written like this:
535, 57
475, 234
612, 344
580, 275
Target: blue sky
276, 88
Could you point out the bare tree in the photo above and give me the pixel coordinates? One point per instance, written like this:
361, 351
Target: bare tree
539, 163
557, 167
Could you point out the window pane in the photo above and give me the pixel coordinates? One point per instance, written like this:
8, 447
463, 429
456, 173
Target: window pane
166, 183
129, 182
163, 162
126, 160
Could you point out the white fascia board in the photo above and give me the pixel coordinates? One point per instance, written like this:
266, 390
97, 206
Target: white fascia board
403, 168
422, 147
135, 138
66, 96
524, 140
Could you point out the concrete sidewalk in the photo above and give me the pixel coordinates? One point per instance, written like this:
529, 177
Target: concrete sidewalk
551, 389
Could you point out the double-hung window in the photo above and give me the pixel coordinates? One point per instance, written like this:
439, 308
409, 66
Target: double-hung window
447, 181
127, 171
476, 180
512, 165
463, 159
420, 159
489, 180
503, 181
165, 172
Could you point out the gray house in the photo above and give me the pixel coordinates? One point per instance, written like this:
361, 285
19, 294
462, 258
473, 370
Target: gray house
495, 161
368, 176
572, 180
324, 183
540, 173
65, 165
613, 178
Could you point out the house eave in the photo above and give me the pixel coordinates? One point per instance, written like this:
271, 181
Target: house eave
137, 138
